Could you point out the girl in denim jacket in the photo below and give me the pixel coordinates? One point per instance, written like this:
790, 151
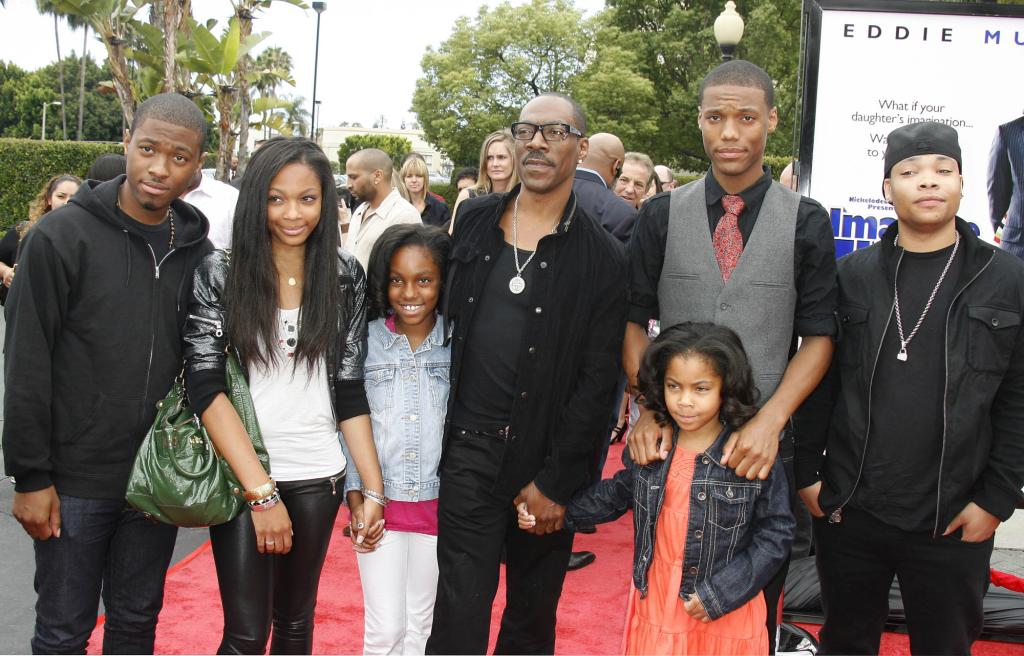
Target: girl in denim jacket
406, 374
706, 540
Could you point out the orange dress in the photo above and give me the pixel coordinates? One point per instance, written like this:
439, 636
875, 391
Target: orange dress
658, 624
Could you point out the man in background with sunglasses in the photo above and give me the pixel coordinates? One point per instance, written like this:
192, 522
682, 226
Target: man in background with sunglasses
537, 294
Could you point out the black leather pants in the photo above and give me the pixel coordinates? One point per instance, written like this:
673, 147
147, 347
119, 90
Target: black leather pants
259, 591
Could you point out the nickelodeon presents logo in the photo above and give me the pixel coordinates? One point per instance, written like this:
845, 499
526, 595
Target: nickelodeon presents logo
853, 231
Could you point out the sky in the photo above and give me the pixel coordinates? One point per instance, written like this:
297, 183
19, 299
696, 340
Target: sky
370, 50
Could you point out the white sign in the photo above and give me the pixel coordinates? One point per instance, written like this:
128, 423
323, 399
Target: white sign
878, 70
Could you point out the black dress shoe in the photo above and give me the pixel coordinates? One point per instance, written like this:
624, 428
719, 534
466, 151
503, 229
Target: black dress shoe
586, 529
580, 559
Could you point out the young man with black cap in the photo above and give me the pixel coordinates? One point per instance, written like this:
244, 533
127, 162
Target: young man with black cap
925, 441
93, 342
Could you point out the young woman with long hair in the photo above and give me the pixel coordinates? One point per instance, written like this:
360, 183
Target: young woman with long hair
294, 311
57, 191
497, 169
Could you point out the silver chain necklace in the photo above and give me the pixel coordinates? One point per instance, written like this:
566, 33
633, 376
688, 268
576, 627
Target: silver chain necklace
904, 341
516, 284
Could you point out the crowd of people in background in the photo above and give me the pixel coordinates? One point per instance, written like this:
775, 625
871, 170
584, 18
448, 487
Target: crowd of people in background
455, 376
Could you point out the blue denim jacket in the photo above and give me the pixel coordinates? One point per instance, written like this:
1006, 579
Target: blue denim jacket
739, 531
408, 394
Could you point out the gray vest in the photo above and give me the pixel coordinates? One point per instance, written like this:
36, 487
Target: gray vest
759, 300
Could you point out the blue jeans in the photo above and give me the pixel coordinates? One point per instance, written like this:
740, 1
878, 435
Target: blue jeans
104, 545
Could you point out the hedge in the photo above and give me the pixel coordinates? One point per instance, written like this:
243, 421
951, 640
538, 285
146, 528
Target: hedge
448, 191
26, 165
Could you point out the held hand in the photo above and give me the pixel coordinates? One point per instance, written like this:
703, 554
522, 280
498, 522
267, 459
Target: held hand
695, 609
373, 517
8, 277
357, 524
526, 520
978, 524
549, 516
273, 530
809, 495
38, 512
648, 440
751, 450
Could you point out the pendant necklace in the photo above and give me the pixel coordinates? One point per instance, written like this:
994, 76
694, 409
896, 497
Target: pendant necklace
516, 284
292, 282
905, 341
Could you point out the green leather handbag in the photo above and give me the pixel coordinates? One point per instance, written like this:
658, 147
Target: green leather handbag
179, 477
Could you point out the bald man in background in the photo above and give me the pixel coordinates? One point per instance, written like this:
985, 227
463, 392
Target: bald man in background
595, 175
369, 179
667, 177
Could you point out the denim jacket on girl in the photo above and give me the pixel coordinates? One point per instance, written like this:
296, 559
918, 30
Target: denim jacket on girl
739, 531
408, 395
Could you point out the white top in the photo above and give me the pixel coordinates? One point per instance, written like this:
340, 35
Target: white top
368, 224
295, 412
216, 201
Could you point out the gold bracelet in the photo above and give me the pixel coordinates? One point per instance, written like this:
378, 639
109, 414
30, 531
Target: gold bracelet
261, 492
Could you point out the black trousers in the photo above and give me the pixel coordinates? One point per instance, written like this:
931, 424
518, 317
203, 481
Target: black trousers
473, 527
260, 591
943, 582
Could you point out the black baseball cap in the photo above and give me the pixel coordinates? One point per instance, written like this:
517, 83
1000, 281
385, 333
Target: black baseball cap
926, 138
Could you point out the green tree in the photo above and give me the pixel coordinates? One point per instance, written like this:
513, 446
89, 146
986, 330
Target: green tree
677, 48
616, 97
396, 147
490, 66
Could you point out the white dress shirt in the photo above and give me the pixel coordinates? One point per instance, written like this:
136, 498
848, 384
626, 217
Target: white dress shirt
216, 200
368, 224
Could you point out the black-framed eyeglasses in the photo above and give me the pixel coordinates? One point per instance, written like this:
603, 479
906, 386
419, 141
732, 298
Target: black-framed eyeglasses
524, 131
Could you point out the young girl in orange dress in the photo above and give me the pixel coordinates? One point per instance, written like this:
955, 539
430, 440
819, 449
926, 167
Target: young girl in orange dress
706, 541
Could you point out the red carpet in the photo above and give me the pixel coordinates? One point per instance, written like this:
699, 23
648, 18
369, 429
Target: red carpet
590, 615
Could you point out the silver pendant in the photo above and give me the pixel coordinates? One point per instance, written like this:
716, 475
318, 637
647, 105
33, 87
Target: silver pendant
516, 285
902, 355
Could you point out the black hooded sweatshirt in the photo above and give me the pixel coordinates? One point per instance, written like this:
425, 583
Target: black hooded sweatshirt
93, 342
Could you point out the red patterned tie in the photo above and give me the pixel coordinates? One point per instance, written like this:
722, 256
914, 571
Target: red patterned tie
727, 240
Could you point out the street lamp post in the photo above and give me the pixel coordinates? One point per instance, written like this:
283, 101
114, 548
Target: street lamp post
728, 30
319, 8
45, 105
316, 112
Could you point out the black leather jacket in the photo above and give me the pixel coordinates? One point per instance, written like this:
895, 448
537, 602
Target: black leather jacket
206, 342
983, 423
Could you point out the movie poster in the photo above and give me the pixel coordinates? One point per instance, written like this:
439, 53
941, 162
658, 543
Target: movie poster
887, 64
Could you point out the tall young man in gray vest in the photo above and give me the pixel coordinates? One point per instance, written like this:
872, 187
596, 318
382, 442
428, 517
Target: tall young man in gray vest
743, 251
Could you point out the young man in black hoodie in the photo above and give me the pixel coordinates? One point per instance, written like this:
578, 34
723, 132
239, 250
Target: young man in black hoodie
92, 344
924, 453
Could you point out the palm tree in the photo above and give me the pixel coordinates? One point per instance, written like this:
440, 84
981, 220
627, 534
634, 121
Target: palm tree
272, 67
245, 11
47, 7
296, 116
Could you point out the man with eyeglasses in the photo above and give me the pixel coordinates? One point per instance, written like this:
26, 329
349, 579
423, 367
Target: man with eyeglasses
537, 295
667, 177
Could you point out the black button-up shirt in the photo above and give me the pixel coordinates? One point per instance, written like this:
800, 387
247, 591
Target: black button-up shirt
568, 358
814, 257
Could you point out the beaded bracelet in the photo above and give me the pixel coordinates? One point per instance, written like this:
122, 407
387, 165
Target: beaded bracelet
266, 503
376, 497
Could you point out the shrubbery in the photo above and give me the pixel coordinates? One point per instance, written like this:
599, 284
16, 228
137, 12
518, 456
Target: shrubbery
449, 191
26, 165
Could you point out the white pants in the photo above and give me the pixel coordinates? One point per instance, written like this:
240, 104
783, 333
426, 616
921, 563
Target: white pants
399, 587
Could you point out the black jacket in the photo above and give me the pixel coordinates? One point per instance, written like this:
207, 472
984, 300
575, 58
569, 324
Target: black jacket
983, 442
206, 340
93, 342
569, 356
616, 215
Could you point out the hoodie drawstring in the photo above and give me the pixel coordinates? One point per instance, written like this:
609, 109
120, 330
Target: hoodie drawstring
127, 257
